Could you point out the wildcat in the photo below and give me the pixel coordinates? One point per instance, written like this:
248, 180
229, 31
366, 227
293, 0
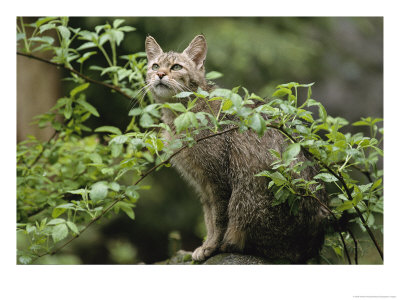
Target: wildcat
238, 210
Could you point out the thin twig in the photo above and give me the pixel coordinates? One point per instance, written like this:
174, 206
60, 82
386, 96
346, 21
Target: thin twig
336, 220
355, 246
43, 148
110, 86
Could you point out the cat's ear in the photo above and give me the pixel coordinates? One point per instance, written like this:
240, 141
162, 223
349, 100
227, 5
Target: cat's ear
152, 48
197, 50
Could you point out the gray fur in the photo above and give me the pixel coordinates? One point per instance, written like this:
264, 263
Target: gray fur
238, 209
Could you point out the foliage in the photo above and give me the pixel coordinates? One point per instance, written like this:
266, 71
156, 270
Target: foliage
66, 184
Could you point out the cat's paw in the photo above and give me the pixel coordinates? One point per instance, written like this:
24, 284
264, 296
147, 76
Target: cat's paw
203, 252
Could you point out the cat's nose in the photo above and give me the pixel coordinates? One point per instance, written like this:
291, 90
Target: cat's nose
161, 74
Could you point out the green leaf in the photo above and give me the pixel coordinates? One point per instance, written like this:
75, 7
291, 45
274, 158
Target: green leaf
86, 46
213, 75
275, 153
185, 121
68, 108
291, 151
257, 123
89, 107
118, 22
44, 39
116, 35
361, 123
47, 27
25, 260
127, 208
365, 187
227, 105
79, 89
65, 33
114, 186
201, 93
255, 97
110, 69
116, 149
20, 36
56, 222
302, 129
86, 56
66, 206
73, 227
321, 109
175, 106
357, 195
137, 143
376, 184
322, 112
146, 120
236, 100
183, 94
119, 139
99, 191
282, 92
278, 178
376, 120
129, 212
327, 177
110, 129
107, 171
57, 211
345, 206
59, 232
127, 28
41, 21
225, 93
135, 111
77, 192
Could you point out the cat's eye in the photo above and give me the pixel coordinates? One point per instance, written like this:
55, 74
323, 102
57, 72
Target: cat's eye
176, 67
155, 67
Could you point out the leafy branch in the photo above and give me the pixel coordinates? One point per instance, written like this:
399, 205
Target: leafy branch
110, 86
143, 176
341, 179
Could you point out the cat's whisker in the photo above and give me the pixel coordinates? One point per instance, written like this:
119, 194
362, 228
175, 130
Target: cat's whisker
139, 96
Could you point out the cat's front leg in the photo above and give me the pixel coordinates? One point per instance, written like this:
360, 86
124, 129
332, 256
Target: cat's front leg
216, 219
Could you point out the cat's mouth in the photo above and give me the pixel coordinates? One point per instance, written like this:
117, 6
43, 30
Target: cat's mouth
160, 84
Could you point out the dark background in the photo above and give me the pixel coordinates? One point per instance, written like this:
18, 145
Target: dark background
343, 56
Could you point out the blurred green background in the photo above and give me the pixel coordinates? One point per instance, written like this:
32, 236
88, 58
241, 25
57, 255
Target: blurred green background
343, 56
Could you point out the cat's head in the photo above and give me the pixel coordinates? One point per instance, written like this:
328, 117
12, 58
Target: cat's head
169, 73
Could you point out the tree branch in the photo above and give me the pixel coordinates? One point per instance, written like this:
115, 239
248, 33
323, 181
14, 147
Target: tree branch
112, 87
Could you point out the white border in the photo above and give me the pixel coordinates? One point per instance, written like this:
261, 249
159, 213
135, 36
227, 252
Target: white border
199, 282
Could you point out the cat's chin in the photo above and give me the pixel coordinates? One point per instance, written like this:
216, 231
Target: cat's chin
163, 92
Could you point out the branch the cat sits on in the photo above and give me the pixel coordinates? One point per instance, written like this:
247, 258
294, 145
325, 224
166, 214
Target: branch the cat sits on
238, 207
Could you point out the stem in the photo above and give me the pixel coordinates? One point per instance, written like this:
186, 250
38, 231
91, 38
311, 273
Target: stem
355, 247
336, 220
43, 148
345, 248
24, 32
114, 57
105, 55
